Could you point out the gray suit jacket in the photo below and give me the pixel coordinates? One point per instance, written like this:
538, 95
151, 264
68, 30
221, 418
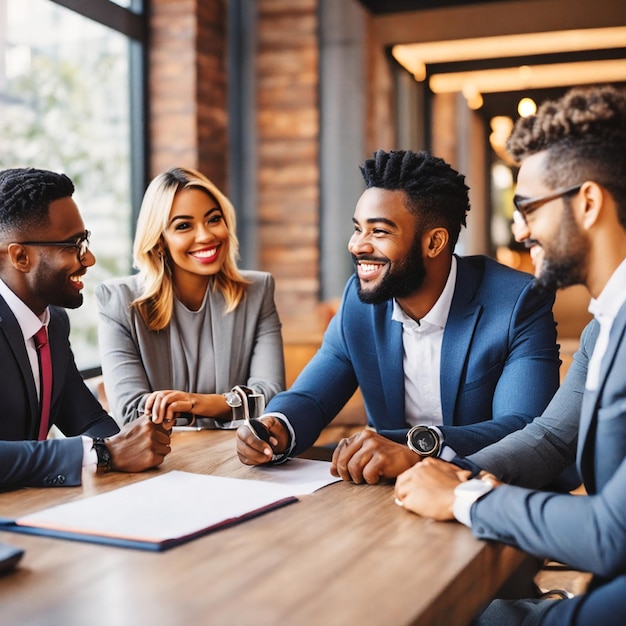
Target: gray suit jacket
586, 532
534, 456
136, 360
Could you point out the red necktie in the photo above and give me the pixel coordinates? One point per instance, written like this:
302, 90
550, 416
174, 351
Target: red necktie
45, 390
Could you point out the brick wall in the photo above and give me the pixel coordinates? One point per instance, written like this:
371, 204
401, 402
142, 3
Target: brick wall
187, 78
288, 153
189, 126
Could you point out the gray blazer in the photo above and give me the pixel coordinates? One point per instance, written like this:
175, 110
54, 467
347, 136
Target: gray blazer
136, 360
586, 532
537, 454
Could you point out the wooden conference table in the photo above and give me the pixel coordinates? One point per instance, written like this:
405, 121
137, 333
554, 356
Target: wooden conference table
345, 555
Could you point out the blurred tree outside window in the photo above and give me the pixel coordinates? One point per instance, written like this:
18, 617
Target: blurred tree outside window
65, 106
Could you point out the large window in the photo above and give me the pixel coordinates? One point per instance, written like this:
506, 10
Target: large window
68, 87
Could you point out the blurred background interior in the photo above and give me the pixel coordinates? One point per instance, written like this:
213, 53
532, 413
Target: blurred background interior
278, 101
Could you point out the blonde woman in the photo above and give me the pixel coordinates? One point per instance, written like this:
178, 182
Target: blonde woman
178, 335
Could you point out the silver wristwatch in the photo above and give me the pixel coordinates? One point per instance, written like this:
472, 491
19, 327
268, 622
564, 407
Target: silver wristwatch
233, 399
424, 440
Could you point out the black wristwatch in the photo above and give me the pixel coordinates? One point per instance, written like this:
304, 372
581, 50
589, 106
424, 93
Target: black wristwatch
104, 456
424, 440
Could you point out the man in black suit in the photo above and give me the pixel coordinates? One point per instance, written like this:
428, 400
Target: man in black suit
44, 254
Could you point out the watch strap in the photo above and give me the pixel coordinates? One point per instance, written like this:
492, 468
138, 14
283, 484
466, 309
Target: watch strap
104, 456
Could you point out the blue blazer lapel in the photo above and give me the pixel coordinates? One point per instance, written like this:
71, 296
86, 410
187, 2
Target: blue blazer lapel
457, 336
388, 337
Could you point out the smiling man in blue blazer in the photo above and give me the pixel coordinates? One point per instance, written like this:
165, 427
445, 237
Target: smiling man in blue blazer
438, 344
571, 198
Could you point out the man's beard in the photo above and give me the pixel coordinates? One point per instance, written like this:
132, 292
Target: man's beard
399, 282
53, 287
564, 261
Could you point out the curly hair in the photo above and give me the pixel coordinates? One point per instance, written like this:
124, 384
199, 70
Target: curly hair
584, 136
435, 192
156, 302
25, 197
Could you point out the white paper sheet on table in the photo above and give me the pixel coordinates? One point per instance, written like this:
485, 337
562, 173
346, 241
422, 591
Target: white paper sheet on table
169, 509
304, 475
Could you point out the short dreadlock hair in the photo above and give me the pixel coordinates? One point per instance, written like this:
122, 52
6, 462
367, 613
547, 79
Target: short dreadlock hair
435, 192
584, 136
25, 197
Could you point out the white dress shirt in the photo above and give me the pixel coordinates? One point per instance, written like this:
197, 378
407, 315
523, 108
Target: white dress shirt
421, 362
605, 308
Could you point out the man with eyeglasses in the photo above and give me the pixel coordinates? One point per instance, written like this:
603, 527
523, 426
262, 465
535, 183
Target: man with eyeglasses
571, 206
44, 255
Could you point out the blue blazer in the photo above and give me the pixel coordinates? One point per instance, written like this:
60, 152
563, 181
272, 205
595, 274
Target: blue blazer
588, 533
74, 408
498, 343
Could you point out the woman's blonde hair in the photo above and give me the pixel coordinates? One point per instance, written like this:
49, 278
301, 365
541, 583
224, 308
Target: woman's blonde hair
156, 302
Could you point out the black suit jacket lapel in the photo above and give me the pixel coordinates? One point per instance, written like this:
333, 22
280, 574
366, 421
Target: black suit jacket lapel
14, 338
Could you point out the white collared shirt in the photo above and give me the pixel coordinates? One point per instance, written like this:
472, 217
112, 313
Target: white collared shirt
605, 309
421, 361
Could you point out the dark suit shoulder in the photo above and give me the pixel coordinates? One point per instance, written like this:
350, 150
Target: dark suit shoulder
493, 269
59, 318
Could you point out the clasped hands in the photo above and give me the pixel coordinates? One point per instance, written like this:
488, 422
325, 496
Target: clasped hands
165, 405
140, 445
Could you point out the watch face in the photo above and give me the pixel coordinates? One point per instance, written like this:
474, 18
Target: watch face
424, 441
233, 399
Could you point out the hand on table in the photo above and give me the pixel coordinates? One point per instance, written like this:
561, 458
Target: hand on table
368, 456
428, 488
252, 451
138, 446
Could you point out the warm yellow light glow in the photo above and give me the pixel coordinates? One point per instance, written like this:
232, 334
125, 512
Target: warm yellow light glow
415, 58
508, 46
501, 127
526, 107
413, 64
540, 77
502, 176
472, 96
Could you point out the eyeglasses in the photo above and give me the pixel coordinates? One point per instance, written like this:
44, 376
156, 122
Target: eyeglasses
80, 244
525, 206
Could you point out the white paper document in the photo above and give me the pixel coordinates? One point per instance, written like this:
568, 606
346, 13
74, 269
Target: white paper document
168, 507
304, 475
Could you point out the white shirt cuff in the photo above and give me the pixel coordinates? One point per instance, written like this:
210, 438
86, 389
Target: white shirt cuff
465, 495
90, 456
